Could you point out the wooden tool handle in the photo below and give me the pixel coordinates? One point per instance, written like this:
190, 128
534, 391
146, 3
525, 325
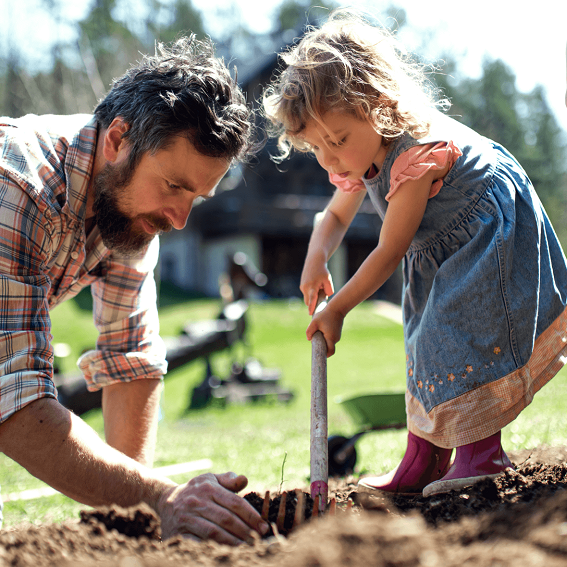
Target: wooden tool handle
319, 431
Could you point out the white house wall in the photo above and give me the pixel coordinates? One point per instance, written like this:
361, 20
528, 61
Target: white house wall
338, 267
180, 260
215, 253
196, 265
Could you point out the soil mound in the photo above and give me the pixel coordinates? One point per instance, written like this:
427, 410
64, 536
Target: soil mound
520, 518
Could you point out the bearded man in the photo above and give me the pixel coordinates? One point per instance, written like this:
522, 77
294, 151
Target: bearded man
82, 201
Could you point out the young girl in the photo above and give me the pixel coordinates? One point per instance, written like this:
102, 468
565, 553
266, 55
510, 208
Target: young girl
485, 278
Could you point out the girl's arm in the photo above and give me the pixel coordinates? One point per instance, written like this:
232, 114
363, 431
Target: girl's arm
328, 232
403, 217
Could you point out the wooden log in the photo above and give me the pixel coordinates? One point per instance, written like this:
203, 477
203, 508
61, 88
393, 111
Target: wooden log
298, 518
281, 512
266, 506
315, 511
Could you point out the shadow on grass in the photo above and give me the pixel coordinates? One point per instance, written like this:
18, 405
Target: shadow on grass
168, 295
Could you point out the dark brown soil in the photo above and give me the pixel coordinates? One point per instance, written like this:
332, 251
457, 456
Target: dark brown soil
518, 519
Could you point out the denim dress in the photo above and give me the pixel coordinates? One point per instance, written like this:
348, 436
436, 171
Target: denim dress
484, 277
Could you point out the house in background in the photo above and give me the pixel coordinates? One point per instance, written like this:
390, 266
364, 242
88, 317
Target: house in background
266, 211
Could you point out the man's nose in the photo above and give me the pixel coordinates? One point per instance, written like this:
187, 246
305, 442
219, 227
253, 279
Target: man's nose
178, 215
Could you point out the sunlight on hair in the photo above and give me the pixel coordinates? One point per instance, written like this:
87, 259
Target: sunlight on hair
355, 66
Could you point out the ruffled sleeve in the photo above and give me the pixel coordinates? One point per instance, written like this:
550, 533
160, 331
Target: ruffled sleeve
417, 161
346, 185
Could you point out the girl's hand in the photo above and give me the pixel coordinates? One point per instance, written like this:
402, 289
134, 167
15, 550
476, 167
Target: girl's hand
330, 323
328, 232
315, 277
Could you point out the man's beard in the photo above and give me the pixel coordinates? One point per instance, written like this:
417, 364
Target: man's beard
116, 227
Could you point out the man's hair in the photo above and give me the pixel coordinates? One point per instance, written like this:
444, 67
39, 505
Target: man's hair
182, 90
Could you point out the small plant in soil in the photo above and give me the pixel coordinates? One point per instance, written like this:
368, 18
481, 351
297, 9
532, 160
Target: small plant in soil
288, 510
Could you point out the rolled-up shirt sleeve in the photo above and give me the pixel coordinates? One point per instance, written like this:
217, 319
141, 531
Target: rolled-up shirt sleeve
125, 313
46, 258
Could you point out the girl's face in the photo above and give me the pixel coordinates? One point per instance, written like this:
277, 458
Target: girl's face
344, 144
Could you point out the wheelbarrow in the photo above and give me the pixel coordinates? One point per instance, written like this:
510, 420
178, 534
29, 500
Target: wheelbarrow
372, 412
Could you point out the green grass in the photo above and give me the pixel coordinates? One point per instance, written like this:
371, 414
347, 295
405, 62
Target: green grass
255, 439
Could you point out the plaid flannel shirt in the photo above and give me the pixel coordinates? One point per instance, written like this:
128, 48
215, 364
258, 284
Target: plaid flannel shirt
45, 258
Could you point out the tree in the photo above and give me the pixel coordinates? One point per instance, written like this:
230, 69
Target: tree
295, 14
180, 17
108, 44
14, 92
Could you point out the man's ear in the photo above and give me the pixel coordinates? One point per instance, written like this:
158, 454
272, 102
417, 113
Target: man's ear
114, 144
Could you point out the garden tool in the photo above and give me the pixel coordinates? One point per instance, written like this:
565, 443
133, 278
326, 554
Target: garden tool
319, 445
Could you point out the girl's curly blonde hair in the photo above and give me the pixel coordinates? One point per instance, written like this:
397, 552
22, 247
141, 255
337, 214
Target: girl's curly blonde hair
350, 65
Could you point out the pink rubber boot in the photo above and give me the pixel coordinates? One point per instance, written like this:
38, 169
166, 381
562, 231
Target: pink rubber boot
422, 464
483, 459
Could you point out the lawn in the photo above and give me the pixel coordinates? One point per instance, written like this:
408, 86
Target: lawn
269, 441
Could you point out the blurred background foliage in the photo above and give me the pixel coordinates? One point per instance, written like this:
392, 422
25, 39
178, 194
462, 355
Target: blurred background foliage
112, 33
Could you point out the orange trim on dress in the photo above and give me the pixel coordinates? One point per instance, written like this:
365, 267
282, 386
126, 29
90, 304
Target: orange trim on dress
484, 411
418, 160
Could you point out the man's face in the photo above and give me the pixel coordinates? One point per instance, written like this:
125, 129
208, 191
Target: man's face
132, 207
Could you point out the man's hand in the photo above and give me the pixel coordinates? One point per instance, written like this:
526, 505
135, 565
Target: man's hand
59, 448
208, 508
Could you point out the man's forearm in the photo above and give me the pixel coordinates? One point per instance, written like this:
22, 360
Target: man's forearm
59, 448
130, 412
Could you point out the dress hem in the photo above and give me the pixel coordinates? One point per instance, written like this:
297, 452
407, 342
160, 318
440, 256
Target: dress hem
484, 411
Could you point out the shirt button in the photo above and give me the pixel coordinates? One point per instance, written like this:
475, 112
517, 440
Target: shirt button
74, 255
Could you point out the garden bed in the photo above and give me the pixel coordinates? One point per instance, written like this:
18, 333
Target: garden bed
518, 519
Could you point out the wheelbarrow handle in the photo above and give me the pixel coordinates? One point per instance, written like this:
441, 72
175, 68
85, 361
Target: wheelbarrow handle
319, 430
